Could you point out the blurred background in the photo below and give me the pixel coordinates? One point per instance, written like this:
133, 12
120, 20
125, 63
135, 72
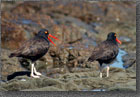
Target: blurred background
80, 26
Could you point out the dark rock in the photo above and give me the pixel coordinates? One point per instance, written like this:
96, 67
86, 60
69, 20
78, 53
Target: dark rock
129, 59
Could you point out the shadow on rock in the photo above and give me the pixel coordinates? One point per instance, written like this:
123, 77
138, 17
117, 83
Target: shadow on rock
20, 73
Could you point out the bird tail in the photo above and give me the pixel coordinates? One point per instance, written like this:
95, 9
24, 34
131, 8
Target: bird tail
12, 55
90, 59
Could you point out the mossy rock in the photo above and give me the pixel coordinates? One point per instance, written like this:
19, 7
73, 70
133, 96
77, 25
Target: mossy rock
49, 88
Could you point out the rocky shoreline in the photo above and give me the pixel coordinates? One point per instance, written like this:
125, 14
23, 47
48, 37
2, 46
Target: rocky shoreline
64, 67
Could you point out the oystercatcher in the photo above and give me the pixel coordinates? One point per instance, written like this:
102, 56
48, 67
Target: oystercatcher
34, 48
106, 52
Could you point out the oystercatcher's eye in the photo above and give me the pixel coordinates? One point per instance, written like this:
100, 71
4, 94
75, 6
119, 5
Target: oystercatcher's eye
46, 32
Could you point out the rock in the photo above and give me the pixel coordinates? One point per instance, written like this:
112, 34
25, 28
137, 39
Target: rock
76, 22
70, 86
30, 83
129, 59
19, 30
76, 81
9, 65
49, 88
11, 33
129, 86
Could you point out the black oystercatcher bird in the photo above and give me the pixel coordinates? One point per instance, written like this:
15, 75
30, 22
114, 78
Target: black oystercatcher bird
106, 52
34, 49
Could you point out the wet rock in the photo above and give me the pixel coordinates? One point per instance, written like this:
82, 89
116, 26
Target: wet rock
129, 59
9, 65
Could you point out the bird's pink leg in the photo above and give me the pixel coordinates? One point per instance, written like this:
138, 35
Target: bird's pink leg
101, 74
35, 71
32, 71
107, 71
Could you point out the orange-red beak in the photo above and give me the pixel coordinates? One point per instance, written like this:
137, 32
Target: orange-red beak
51, 40
118, 41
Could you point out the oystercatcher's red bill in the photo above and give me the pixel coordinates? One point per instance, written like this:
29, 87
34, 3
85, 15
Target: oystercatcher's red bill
118, 41
51, 40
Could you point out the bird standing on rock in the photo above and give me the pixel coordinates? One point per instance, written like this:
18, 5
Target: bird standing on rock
34, 49
106, 52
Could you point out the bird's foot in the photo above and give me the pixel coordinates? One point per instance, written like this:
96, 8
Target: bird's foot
34, 76
38, 73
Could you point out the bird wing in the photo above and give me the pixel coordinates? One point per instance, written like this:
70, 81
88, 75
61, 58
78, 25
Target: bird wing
102, 51
32, 47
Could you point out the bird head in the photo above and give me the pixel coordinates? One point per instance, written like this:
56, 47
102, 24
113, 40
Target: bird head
113, 36
45, 33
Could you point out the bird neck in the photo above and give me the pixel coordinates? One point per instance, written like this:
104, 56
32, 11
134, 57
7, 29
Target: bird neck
44, 38
112, 40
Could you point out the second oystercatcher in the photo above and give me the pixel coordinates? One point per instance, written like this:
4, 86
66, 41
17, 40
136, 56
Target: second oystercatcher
106, 51
34, 49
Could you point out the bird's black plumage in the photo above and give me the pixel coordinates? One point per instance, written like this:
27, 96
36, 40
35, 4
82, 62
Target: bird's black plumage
106, 51
34, 48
